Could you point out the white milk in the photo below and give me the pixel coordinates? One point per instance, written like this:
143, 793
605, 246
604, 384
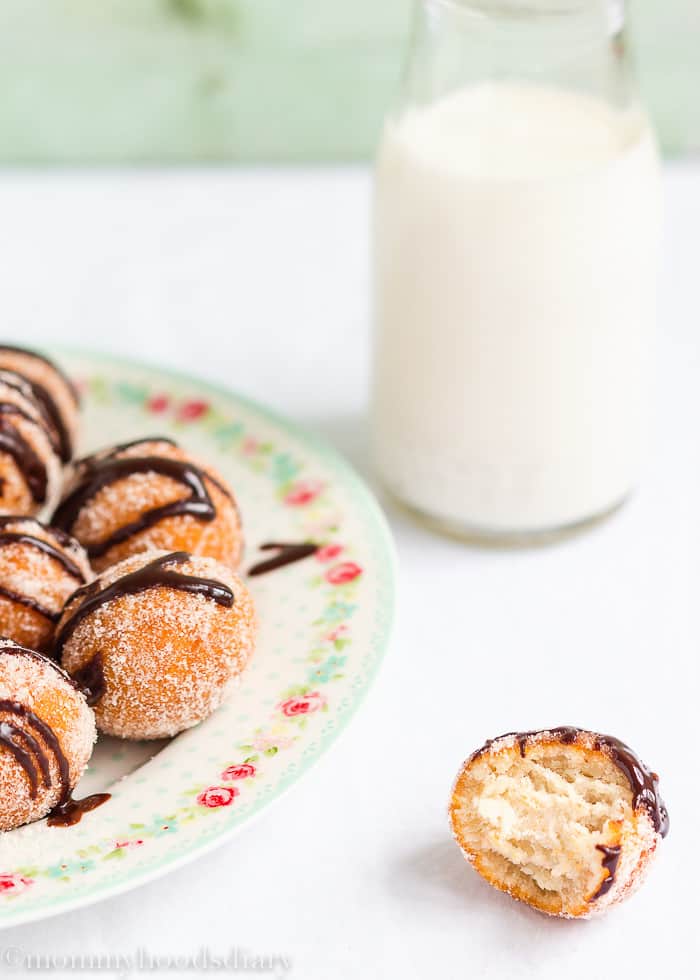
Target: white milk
516, 247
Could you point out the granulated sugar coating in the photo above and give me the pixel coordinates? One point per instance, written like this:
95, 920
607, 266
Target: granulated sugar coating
158, 660
114, 508
30, 467
40, 567
47, 732
53, 389
565, 820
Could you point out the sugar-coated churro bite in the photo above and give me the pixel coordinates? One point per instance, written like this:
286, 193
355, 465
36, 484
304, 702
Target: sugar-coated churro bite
149, 494
55, 394
158, 640
40, 567
30, 466
564, 819
47, 732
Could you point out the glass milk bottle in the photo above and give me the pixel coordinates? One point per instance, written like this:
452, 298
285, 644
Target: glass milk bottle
516, 236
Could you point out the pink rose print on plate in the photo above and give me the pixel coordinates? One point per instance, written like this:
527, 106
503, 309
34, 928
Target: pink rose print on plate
129, 843
242, 771
338, 633
303, 492
192, 410
263, 743
215, 796
346, 571
14, 884
158, 404
303, 704
328, 552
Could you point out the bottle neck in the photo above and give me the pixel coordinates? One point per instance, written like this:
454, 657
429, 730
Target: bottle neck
571, 44
603, 18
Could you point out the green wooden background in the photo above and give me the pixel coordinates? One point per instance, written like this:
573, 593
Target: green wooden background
280, 80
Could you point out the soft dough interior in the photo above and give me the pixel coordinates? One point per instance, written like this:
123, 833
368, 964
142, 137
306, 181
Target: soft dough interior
534, 822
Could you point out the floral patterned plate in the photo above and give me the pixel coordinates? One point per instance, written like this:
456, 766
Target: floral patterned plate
324, 627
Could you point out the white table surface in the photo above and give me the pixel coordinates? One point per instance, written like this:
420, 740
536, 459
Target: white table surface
259, 280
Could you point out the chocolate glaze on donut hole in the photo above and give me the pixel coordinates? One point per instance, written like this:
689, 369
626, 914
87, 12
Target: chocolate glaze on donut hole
160, 639
47, 733
149, 495
40, 567
30, 467
52, 389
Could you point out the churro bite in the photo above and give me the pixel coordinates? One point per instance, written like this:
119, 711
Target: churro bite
564, 819
158, 641
55, 393
149, 494
30, 467
47, 732
40, 567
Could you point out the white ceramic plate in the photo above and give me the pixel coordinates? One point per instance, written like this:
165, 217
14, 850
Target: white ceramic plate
324, 627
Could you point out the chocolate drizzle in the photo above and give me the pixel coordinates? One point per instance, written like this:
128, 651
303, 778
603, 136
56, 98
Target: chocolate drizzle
18, 651
53, 423
151, 576
29, 751
33, 753
14, 444
91, 679
121, 447
643, 783
286, 554
70, 812
50, 411
38, 544
52, 414
101, 471
611, 856
30, 603
10, 349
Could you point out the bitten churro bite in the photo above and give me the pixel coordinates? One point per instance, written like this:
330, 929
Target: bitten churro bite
149, 494
158, 640
40, 567
564, 819
47, 732
30, 467
56, 394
